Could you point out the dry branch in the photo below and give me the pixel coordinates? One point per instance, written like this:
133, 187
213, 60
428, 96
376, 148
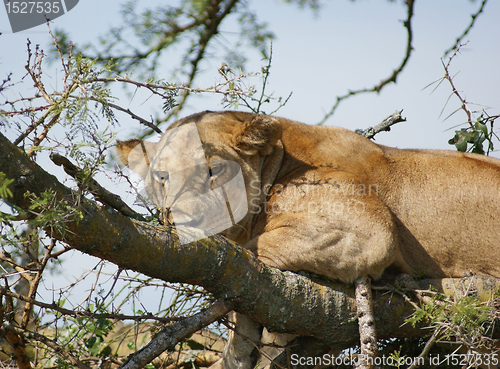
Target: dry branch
173, 334
385, 125
95, 188
366, 318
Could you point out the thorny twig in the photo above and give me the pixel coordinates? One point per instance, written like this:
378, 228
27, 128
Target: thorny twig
467, 30
94, 187
392, 78
154, 87
447, 77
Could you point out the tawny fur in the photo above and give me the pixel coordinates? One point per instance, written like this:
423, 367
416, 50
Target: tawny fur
329, 201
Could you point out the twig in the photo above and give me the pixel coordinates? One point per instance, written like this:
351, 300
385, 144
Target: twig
392, 77
4, 84
84, 313
467, 30
410, 284
171, 335
95, 188
117, 107
65, 67
385, 125
447, 76
153, 87
33, 286
426, 349
58, 349
32, 126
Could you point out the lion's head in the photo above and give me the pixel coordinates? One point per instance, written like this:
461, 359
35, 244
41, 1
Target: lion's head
209, 171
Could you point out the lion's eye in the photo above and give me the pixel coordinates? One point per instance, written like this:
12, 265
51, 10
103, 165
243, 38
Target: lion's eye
160, 176
216, 169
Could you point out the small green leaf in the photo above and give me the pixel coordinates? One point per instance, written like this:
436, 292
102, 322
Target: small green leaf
481, 127
478, 149
91, 342
461, 144
479, 137
469, 136
193, 345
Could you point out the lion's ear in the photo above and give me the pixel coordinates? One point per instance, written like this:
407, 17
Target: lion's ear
258, 136
136, 154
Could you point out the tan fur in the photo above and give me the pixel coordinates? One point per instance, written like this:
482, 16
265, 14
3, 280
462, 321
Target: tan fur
329, 201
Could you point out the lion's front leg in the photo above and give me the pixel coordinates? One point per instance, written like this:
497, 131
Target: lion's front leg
346, 239
341, 239
242, 348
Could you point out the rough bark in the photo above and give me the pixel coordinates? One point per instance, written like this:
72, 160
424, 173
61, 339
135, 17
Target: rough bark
171, 335
366, 322
281, 301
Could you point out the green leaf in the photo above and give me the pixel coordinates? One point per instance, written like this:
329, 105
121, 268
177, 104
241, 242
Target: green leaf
91, 342
481, 127
478, 149
4, 183
479, 137
193, 345
461, 144
105, 352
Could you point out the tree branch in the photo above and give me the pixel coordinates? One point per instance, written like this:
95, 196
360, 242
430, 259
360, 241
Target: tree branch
467, 30
281, 301
366, 318
171, 335
95, 188
211, 29
385, 125
18, 347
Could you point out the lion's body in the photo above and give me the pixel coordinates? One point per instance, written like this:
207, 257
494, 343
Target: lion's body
434, 213
329, 201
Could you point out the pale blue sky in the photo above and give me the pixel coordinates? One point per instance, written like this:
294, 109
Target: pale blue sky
345, 45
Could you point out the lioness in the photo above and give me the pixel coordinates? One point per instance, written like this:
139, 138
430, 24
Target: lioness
329, 201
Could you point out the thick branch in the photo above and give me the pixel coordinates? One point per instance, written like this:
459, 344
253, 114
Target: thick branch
366, 318
281, 301
18, 347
